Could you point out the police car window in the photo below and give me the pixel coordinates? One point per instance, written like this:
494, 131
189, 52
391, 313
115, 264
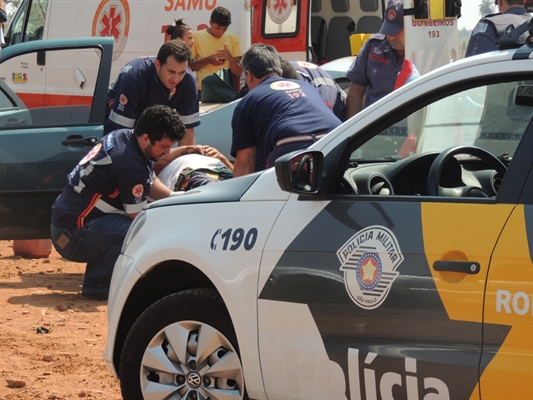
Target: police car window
484, 116
399, 160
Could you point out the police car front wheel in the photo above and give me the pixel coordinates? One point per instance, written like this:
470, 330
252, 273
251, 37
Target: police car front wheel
183, 345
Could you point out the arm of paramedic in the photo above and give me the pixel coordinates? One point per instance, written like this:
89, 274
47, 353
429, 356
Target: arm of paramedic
202, 62
244, 162
159, 190
174, 153
234, 62
212, 152
354, 100
189, 138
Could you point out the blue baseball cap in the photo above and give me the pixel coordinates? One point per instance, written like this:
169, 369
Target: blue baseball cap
393, 22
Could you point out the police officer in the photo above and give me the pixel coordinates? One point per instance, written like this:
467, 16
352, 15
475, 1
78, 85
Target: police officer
331, 92
492, 27
107, 189
277, 116
379, 66
164, 80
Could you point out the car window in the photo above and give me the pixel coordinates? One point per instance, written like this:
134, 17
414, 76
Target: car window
59, 95
19, 32
460, 145
484, 116
5, 102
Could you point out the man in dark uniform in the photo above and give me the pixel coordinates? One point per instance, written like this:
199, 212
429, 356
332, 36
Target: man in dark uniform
380, 66
492, 27
106, 191
164, 80
277, 116
331, 92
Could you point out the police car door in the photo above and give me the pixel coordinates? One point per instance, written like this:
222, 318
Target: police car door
509, 294
41, 145
377, 291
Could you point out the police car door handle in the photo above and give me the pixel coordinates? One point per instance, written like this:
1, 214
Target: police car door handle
77, 139
466, 267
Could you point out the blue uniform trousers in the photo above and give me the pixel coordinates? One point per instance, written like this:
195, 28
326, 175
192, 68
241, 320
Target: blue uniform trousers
98, 244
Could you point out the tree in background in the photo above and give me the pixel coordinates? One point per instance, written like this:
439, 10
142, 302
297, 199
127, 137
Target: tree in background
486, 7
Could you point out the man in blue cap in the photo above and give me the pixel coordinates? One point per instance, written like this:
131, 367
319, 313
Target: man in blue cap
492, 27
379, 67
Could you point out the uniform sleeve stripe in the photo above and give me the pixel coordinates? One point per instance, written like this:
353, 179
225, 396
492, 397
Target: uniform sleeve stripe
134, 208
107, 208
121, 120
190, 119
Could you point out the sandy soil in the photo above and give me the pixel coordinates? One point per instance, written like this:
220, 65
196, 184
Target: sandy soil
51, 340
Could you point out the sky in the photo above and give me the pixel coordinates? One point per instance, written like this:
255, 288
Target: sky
470, 14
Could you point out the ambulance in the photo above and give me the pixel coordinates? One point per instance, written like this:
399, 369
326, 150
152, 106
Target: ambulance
327, 32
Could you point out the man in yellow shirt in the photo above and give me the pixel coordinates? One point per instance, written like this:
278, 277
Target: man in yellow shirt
214, 48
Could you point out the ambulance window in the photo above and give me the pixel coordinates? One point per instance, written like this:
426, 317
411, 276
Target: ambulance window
26, 27
280, 18
16, 26
36, 21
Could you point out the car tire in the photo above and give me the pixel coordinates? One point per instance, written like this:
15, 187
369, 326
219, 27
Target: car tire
184, 344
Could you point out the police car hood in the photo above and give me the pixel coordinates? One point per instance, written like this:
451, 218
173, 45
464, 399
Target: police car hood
258, 186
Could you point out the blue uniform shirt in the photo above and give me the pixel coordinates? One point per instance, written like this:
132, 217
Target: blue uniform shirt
114, 177
331, 92
137, 87
275, 109
492, 27
375, 67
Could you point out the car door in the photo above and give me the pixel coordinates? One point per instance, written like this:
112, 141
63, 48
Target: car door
39, 146
377, 292
509, 300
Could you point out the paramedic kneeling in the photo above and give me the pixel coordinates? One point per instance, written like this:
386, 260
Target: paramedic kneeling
277, 116
105, 192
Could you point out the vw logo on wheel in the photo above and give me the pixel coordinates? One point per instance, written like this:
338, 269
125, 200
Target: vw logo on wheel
194, 380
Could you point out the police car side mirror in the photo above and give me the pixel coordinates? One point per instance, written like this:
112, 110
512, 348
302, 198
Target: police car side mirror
300, 172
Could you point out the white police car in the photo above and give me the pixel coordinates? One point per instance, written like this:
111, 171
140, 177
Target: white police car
392, 259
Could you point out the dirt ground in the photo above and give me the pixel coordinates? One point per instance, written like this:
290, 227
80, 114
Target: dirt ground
51, 340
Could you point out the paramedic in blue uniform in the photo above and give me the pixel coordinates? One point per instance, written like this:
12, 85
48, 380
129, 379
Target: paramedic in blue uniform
106, 191
331, 92
277, 116
492, 27
376, 68
145, 82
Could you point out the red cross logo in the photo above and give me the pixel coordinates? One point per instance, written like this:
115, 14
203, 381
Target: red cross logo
138, 190
284, 85
111, 23
280, 6
280, 10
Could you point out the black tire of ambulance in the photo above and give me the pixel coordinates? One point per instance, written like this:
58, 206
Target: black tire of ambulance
195, 308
